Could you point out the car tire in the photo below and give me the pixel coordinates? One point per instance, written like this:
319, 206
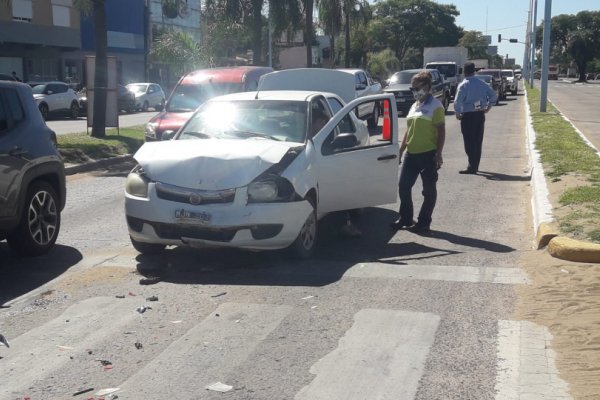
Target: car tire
147, 248
40, 222
446, 102
374, 120
160, 107
74, 110
145, 106
306, 242
43, 107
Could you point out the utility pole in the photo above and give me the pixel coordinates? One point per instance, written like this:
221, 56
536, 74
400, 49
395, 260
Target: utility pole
270, 40
533, 40
546, 55
527, 51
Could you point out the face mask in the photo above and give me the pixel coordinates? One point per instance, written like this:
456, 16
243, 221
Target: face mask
419, 94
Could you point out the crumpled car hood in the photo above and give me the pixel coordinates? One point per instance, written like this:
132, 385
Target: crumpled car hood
209, 164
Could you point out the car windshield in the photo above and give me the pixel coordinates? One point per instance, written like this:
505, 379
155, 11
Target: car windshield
189, 97
402, 77
38, 89
495, 74
249, 119
508, 74
138, 88
485, 78
448, 70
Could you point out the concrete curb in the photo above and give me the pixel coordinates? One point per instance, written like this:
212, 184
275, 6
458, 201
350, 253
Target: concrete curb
547, 234
71, 169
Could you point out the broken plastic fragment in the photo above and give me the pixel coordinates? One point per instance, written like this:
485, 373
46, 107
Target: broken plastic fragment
176, 322
105, 362
307, 297
107, 391
219, 387
142, 309
82, 391
138, 345
152, 298
150, 281
3, 341
120, 296
62, 348
219, 294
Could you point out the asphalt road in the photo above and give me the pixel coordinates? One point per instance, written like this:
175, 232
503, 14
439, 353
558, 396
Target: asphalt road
66, 125
391, 315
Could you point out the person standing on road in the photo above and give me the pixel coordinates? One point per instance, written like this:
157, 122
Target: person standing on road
423, 142
474, 98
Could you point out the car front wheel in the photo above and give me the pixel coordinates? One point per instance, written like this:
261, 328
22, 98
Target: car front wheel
446, 102
160, 107
44, 111
305, 243
40, 223
374, 120
74, 110
145, 106
147, 248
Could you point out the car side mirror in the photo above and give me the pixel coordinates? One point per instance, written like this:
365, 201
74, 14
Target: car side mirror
344, 141
168, 135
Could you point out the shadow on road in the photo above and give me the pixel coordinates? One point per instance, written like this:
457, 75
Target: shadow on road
21, 275
494, 176
334, 256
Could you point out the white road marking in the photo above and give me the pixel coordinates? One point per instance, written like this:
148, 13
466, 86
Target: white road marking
382, 356
207, 352
526, 365
452, 273
42, 351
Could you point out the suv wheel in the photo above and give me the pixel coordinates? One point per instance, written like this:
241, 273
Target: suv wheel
161, 106
145, 106
44, 111
40, 222
374, 120
74, 110
147, 248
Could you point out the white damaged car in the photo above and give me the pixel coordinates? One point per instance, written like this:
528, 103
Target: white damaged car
257, 170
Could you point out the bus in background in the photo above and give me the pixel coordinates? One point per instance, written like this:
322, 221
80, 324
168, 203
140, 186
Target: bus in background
553, 72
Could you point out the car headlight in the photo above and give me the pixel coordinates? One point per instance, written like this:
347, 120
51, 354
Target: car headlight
270, 189
150, 130
136, 183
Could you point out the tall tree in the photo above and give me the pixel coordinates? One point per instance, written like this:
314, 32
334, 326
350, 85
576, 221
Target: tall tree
475, 43
308, 30
330, 20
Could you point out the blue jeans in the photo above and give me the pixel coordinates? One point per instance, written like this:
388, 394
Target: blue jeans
423, 164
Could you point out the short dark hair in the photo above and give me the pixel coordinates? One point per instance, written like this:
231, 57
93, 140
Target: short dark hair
469, 68
422, 78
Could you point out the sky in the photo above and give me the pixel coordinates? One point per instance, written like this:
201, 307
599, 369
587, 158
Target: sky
509, 18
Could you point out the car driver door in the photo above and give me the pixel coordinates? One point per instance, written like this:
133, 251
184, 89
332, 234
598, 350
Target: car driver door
351, 174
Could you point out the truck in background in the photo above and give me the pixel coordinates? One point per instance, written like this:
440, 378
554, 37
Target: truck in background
553, 72
480, 63
449, 61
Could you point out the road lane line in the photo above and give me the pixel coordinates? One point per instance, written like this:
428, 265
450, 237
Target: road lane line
526, 367
382, 356
206, 353
37, 354
452, 273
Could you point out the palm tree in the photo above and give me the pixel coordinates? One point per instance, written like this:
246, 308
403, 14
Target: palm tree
308, 33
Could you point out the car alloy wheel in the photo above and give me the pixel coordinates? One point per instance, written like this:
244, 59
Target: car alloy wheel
305, 243
40, 222
145, 106
74, 110
44, 111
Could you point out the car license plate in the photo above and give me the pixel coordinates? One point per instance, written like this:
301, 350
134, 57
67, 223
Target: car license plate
199, 217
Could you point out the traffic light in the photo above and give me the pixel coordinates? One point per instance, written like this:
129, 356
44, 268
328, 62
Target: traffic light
499, 37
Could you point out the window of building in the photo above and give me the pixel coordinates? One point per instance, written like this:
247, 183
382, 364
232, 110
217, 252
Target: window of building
22, 10
61, 12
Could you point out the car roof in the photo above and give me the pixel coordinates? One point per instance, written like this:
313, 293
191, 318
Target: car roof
221, 75
278, 95
350, 70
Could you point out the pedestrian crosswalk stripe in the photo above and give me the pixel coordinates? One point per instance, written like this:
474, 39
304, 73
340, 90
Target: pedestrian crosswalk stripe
207, 352
44, 350
451, 273
526, 363
382, 356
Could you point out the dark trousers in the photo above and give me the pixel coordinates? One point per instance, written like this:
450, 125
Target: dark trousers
471, 126
414, 165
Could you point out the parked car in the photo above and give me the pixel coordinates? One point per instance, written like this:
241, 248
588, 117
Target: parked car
512, 83
400, 87
537, 74
489, 79
5, 77
32, 183
54, 98
590, 76
365, 86
195, 88
148, 95
254, 171
499, 80
125, 100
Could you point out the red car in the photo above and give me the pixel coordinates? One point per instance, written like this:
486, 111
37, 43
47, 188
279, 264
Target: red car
194, 89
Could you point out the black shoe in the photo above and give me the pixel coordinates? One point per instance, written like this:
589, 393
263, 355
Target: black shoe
399, 224
468, 171
419, 228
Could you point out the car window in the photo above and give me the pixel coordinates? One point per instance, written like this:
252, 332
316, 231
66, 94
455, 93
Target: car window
251, 85
346, 125
362, 78
3, 115
280, 120
319, 116
61, 88
39, 89
14, 107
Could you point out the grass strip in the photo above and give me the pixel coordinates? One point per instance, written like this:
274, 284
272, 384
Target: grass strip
563, 152
80, 147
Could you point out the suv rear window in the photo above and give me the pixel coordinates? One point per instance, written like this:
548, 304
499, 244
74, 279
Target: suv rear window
11, 111
189, 97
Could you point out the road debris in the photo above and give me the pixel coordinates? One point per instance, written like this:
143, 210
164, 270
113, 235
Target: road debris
3, 341
142, 309
138, 345
219, 387
104, 362
177, 322
82, 391
129, 332
63, 348
152, 298
313, 307
219, 294
131, 294
120, 296
307, 297
150, 280
107, 391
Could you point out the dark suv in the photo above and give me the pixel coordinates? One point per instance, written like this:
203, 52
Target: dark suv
399, 85
32, 182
